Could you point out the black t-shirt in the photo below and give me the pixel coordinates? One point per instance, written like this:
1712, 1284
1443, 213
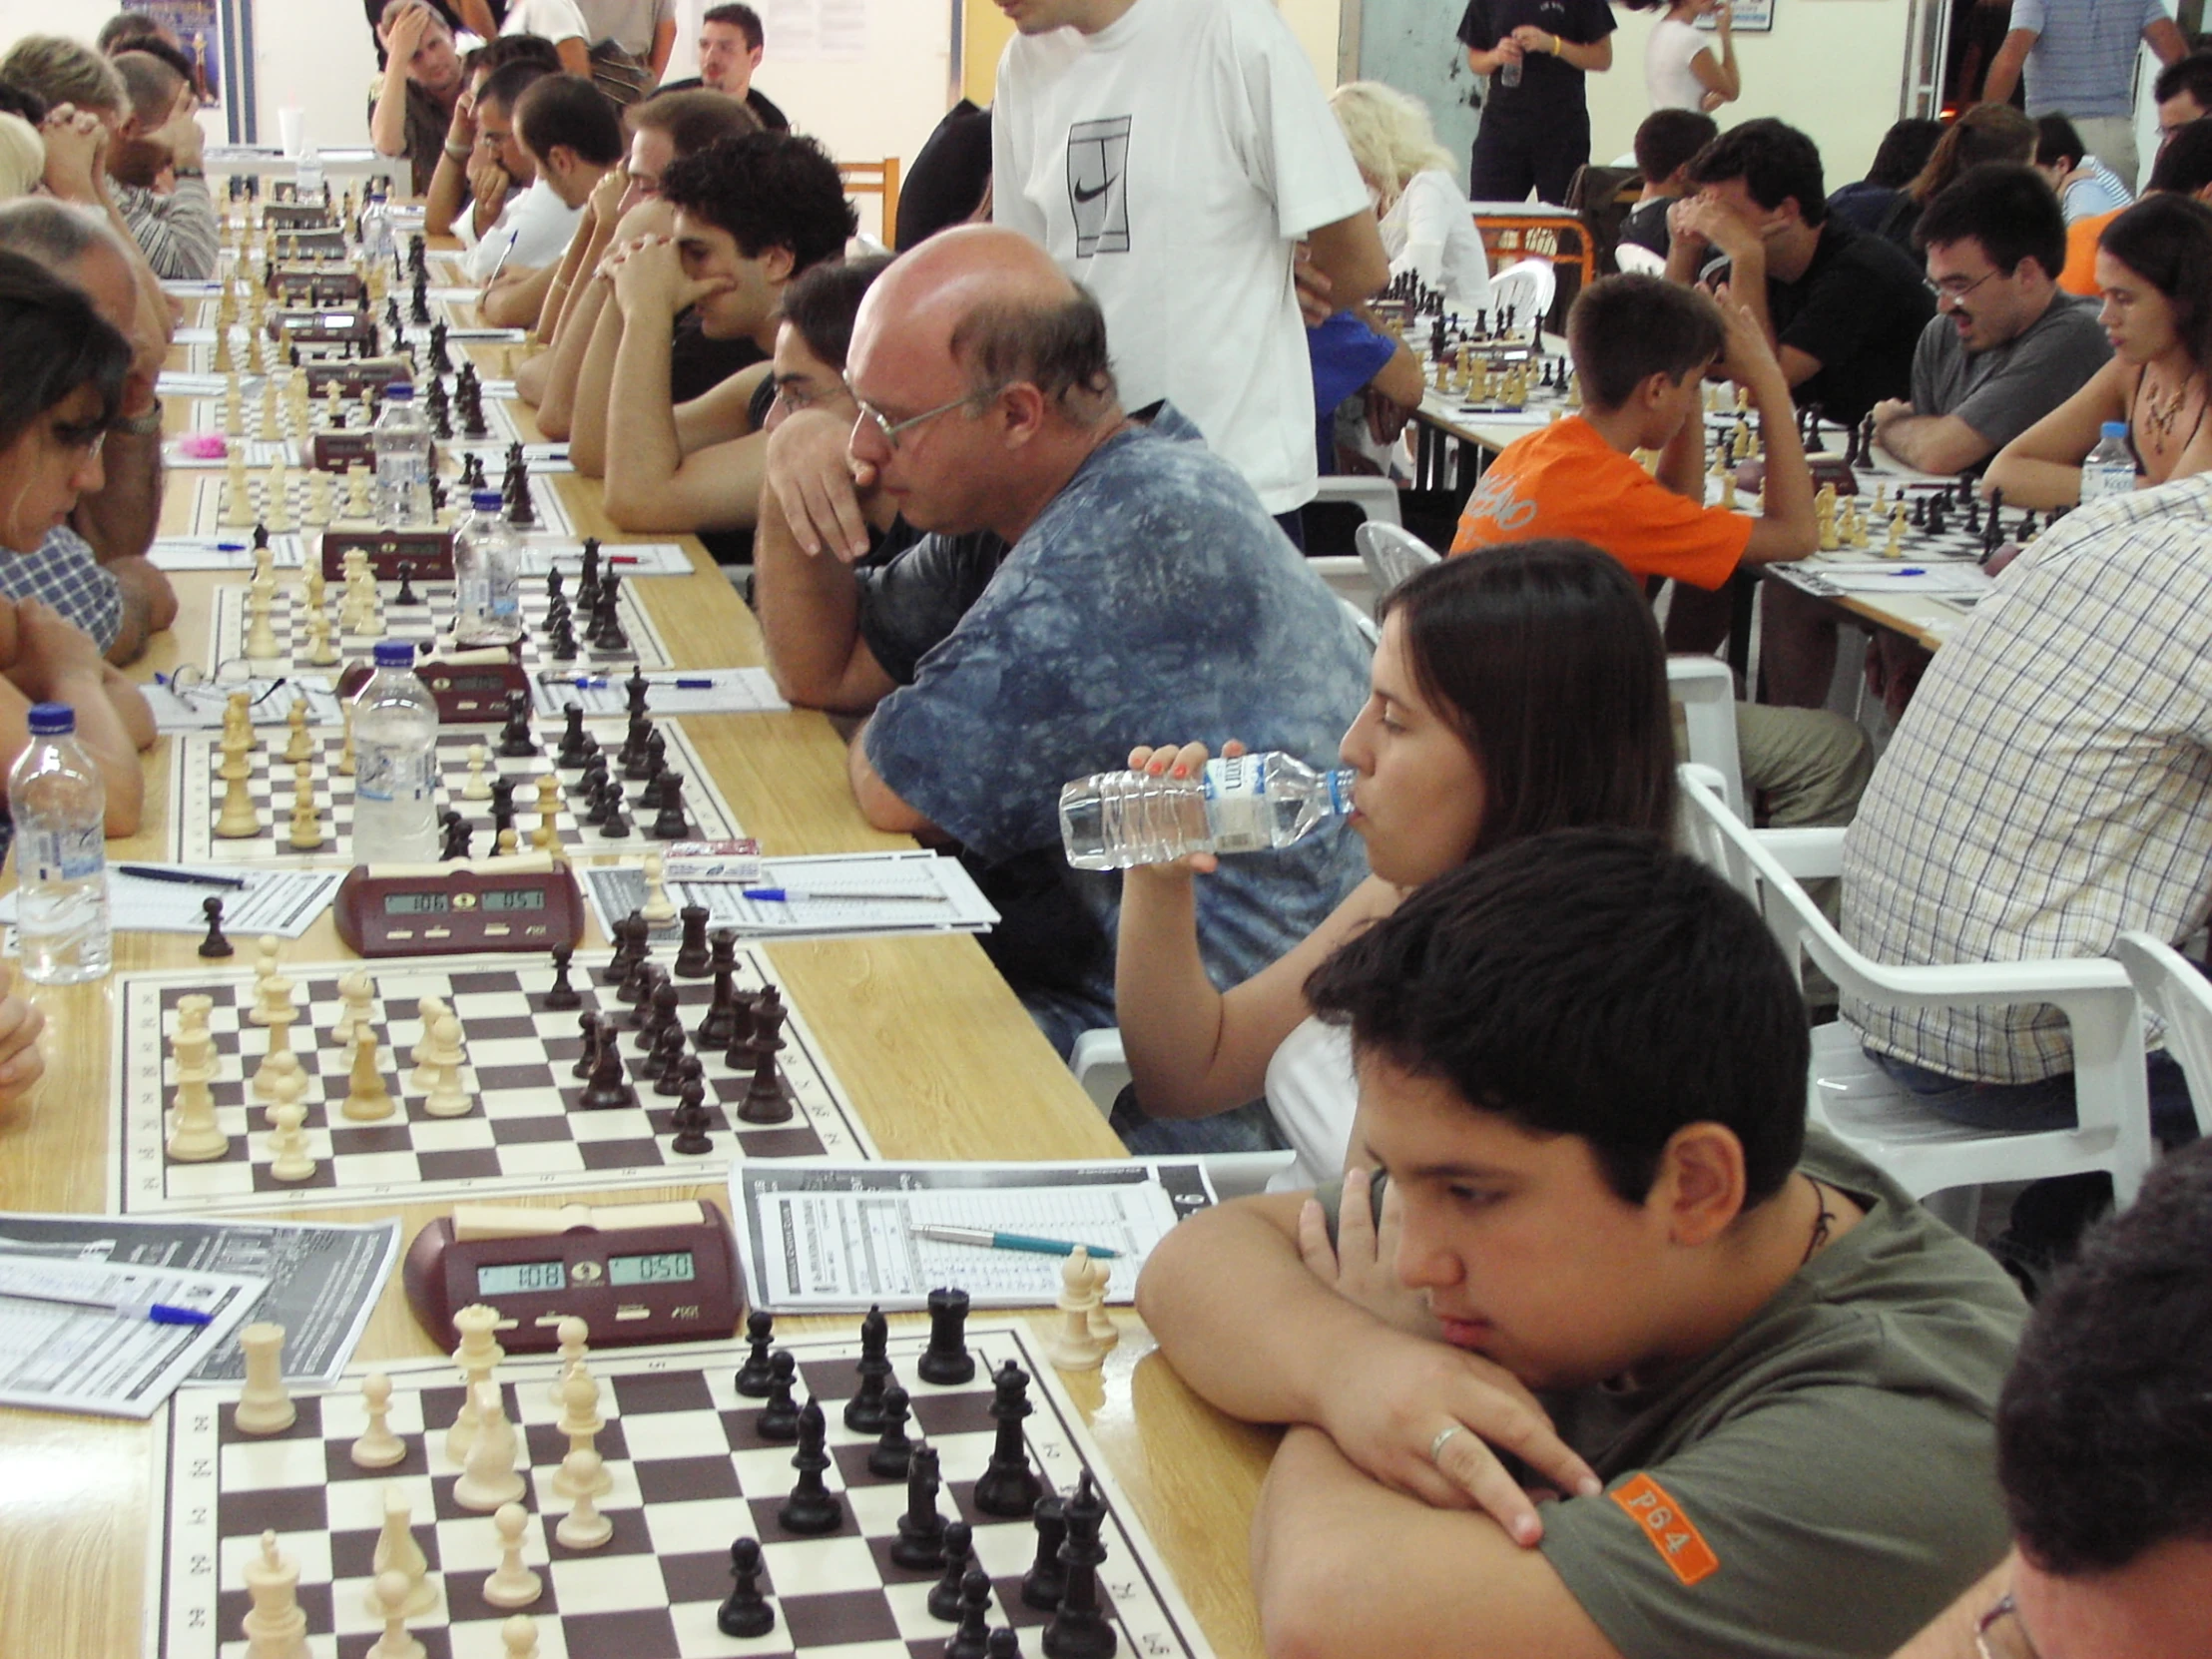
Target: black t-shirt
698, 364
1549, 84
1858, 309
1646, 225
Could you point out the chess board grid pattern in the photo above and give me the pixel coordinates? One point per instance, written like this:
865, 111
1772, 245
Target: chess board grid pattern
690, 1475
523, 1132
198, 791
207, 417
208, 486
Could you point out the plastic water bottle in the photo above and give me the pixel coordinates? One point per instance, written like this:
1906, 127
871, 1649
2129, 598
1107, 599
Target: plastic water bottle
308, 175
60, 805
2109, 469
487, 575
1240, 803
377, 240
402, 445
1508, 73
395, 739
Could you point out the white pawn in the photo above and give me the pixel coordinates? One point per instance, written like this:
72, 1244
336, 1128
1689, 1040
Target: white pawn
320, 651
658, 906
581, 1423
357, 998
427, 1010
1103, 1329
583, 1527
396, 1551
476, 785
447, 1099
392, 1601
574, 1335
290, 1159
379, 1447
519, 1636
489, 1478
514, 1585
264, 1407
266, 991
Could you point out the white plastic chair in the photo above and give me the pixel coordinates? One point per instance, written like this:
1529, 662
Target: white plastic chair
1391, 554
1635, 256
2181, 997
1707, 692
1376, 497
1526, 287
1861, 1104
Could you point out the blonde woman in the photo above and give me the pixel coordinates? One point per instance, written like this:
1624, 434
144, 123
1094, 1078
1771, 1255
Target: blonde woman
1424, 215
22, 158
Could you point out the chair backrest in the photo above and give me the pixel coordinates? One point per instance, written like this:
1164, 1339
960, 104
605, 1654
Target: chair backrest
1390, 554
880, 178
1707, 692
1526, 286
1635, 256
1362, 623
1604, 197
2180, 999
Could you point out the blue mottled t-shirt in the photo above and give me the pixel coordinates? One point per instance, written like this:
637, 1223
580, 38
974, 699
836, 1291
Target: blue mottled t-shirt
1153, 601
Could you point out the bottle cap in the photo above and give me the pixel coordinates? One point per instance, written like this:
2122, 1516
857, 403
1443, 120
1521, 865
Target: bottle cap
486, 501
401, 392
52, 720
395, 654
2115, 429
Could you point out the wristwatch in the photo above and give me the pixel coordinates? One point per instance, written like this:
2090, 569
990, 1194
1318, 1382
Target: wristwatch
459, 152
144, 425
188, 172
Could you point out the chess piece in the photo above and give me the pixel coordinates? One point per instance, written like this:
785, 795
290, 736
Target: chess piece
298, 746
764, 1100
1044, 1583
1008, 1486
561, 996
574, 1334
368, 1099
691, 1120
863, 1412
1071, 1345
658, 909
390, 1590
920, 1546
746, 1612
1079, 1629
272, 991
972, 1639
959, 1555
512, 1584
276, 1626
546, 838
426, 1050
356, 999
343, 764
476, 785
519, 1636
581, 1423
947, 1361
811, 1508
752, 1377
447, 1099
379, 1447
690, 954
397, 1552
1103, 1329
583, 1527
779, 1418
264, 1407
477, 1355
306, 813
320, 651
196, 1136
290, 1159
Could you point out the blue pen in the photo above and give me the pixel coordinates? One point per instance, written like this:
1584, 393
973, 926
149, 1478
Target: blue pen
163, 1313
160, 1313
792, 895
1907, 573
989, 1239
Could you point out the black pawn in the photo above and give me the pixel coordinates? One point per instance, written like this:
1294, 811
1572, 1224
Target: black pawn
920, 1547
1008, 1485
692, 960
670, 824
959, 1555
666, 1061
863, 1412
746, 1612
588, 1023
721, 1021
946, 1360
754, 1376
406, 594
215, 944
514, 736
779, 1418
972, 1640
1044, 1583
1004, 1643
576, 747
607, 1090
636, 688
690, 1123
893, 1451
560, 995
1079, 1629
811, 1508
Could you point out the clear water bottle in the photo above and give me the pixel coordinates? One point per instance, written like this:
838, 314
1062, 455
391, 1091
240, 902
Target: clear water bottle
402, 445
60, 805
308, 175
487, 575
395, 739
1508, 73
1240, 803
376, 239
2110, 468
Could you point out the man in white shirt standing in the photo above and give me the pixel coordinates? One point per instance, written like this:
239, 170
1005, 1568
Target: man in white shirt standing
1171, 155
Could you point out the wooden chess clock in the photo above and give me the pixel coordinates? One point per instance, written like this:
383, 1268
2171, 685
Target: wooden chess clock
527, 902
470, 688
427, 554
634, 1273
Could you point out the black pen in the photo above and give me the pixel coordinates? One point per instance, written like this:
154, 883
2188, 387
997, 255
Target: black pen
182, 877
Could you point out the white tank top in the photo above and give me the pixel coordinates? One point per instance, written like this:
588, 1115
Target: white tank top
1312, 1094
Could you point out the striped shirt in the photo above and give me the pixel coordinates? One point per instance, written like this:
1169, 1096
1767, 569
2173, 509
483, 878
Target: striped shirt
2083, 61
2051, 784
67, 575
177, 233
2095, 188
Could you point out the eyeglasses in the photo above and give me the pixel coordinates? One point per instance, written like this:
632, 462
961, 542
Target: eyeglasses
1997, 1633
1949, 292
792, 395
889, 430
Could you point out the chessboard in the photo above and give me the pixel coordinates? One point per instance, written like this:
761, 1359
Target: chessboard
421, 623
687, 1474
207, 516
524, 1131
209, 415
198, 791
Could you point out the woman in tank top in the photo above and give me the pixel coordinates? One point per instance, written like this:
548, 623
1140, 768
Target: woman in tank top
2154, 270
1517, 690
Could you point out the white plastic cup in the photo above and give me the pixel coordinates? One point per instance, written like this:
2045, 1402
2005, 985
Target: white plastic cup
291, 123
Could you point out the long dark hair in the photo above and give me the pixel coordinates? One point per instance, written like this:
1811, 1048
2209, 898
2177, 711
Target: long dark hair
1985, 133
2167, 241
52, 342
1544, 658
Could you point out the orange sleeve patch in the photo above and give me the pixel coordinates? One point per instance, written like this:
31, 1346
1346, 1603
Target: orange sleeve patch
1679, 1543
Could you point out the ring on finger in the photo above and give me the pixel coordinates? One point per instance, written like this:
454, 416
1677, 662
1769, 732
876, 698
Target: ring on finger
1437, 1446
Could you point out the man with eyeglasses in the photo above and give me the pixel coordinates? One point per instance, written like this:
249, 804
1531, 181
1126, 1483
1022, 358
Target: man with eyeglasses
2104, 1449
1143, 594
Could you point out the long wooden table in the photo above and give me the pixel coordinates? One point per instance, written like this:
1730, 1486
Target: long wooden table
935, 1050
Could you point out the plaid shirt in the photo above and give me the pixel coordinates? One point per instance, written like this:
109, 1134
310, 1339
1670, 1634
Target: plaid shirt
177, 233
2051, 784
65, 573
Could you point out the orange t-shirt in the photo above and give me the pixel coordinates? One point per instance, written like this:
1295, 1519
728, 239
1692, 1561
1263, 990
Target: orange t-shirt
1567, 480
2080, 274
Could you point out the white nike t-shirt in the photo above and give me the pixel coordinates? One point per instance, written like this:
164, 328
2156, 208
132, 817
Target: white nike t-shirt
1170, 164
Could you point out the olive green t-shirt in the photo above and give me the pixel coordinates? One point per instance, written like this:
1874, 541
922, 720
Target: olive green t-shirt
1823, 1484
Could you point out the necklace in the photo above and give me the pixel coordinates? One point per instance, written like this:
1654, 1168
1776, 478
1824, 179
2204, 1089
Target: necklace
1820, 1223
2160, 414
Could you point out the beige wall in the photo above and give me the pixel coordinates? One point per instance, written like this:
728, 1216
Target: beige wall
1312, 20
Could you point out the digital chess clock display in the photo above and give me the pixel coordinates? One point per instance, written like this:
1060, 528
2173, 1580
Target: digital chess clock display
516, 1278
669, 1266
417, 903
513, 898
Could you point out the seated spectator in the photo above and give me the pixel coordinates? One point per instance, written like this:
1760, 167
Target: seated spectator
559, 21
533, 229
986, 404
2183, 168
2183, 93
1611, 1262
1424, 221
1905, 149
1666, 143
2084, 810
94, 569
470, 188
2085, 186
2105, 1449
752, 212
572, 138
64, 384
412, 111
663, 129
949, 182
1985, 133
2154, 265
1643, 349
731, 45
1843, 310
1517, 693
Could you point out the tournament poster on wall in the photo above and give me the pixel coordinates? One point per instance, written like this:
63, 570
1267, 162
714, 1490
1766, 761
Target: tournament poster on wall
1745, 17
218, 36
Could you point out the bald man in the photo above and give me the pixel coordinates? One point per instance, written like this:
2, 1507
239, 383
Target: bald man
1087, 583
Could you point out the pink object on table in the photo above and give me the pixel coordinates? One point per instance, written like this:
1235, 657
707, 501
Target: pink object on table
202, 446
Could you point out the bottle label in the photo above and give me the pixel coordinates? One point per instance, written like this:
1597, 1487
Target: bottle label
1237, 804
388, 775
63, 854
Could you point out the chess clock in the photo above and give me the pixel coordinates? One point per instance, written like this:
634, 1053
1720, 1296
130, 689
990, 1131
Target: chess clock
427, 554
339, 451
527, 902
634, 1273
472, 688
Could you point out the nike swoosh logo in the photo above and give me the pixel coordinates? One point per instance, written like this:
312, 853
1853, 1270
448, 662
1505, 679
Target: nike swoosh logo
1082, 195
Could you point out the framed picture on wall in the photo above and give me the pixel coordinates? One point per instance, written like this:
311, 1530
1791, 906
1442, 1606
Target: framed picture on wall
1748, 17
218, 36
